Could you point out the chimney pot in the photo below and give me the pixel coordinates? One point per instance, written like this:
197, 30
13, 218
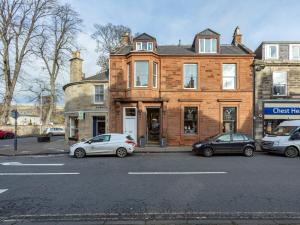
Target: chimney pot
237, 36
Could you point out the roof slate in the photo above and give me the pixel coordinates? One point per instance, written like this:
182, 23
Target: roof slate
144, 36
208, 32
99, 76
186, 50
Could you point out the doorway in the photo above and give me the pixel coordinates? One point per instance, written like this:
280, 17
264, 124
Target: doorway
99, 125
153, 125
130, 122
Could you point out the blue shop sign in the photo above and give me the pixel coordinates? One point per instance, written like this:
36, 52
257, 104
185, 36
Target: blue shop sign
282, 111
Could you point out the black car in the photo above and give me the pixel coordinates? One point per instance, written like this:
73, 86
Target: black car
226, 143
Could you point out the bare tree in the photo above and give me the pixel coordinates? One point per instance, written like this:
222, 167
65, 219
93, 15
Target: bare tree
21, 23
56, 43
108, 38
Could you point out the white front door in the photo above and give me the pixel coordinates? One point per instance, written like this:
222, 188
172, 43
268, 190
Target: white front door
130, 122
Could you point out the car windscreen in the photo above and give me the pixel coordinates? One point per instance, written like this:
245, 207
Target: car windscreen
284, 130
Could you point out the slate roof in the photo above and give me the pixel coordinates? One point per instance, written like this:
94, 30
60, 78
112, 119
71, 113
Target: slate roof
99, 76
188, 50
144, 36
208, 32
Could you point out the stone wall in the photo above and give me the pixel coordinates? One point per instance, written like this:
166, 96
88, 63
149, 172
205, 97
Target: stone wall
209, 96
264, 84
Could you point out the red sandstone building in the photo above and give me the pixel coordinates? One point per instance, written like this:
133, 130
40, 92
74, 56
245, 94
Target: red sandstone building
183, 93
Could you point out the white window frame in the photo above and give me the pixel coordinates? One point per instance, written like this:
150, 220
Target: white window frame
268, 51
211, 45
95, 94
196, 80
148, 46
139, 46
128, 75
291, 51
286, 82
235, 76
155, 74
135, 74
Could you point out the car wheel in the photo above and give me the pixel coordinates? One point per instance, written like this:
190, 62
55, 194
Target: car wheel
121, 152
291, 152
207, 152
248, 151
79, 153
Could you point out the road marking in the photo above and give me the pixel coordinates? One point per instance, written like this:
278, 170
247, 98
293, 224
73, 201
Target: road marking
173, 173
3, 190
36, 174
21, 164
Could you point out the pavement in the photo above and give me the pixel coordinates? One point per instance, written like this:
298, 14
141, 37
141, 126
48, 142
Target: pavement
30, 146
58, 145
157, 188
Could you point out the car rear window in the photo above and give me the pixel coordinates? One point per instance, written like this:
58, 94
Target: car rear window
238, 137
129, 137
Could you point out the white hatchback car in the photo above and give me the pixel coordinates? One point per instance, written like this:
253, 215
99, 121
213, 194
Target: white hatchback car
105, 144
54, 131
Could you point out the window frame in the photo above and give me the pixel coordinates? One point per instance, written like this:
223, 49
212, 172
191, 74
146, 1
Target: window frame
102, 102
211, 45
129, 75
235, 77
135, 74
197, 121
286, 82
196, 80
235, 121
291, 52
268, 51
154, 74
139, 46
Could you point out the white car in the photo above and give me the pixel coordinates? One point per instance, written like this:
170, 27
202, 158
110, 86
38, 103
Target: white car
105, 144
52, 131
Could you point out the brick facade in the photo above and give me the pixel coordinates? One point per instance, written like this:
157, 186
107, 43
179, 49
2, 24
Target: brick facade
171, 97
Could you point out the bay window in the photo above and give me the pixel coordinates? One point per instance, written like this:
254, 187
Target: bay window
141, 73
154, 75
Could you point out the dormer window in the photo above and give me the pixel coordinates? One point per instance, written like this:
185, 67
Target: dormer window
208, 45
271, 51
144, 46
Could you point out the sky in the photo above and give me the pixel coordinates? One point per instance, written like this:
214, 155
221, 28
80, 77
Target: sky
171, 20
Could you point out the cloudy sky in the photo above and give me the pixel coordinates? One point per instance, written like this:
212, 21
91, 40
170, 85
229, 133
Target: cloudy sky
171, 20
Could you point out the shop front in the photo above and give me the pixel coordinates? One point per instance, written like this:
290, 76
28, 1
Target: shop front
275, 112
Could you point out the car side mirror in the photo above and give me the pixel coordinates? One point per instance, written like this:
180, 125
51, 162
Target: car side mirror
89, 142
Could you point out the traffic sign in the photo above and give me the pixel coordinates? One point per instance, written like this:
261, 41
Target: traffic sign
14, 114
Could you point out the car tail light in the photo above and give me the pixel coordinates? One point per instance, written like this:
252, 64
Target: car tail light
130, 142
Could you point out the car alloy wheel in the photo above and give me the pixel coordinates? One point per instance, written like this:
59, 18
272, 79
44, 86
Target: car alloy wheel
248, 152
79, 153
207, 152
291, 152
121, 152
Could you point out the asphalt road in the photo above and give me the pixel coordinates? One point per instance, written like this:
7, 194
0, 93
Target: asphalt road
261, 186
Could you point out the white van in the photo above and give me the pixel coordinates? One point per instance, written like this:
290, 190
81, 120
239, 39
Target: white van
285, 139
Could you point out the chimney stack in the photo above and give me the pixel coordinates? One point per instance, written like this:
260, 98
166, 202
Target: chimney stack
76, 67
125, 39
237, 37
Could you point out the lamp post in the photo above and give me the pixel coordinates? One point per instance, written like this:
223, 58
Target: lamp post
41, 112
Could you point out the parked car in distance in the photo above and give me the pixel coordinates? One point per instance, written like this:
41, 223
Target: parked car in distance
226, 143
105, 144
6, 134
285, 139
54, 131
